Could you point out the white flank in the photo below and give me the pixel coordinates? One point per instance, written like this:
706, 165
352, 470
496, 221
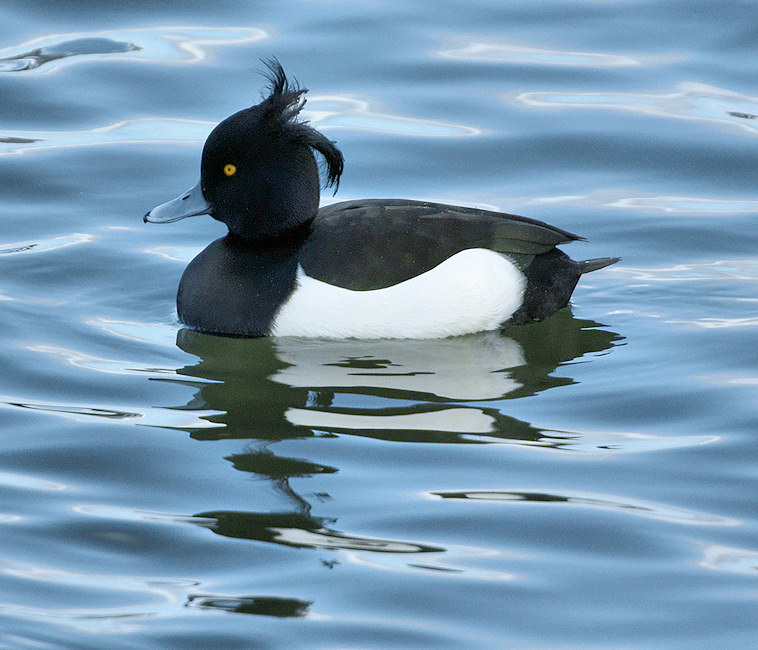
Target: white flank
459, 420
473, 291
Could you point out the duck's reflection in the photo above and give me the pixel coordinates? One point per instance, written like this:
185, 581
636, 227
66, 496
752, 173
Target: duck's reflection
300, 530
436, 391
448, 390
259, 605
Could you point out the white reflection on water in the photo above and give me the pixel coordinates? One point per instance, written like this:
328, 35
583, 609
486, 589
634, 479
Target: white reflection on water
184, 254
743, 270
612, 502
345, 112
317, 539
730, 379
8, 479
119, 513
158, 334
524, 55
670, 204
688, 101
711, 323
152, 417
146, 130
47, 244
178, 45
128, 597
473, 368
455, 561
687, 205
464, 420
98, 364
603, 442
333, 113
730, 559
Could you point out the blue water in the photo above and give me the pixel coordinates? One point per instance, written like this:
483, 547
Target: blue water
589, 481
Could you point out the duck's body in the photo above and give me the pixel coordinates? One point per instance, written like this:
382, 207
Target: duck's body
367, 269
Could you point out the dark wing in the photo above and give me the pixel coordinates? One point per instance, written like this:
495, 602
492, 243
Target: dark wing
375, 243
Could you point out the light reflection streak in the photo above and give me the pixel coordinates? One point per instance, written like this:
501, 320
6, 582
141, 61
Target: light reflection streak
712, 323
612, 502
689, 101
178, 45
152, 417
463, 420
47, 244
454, 563
687, 206
140, 595
524, 55
158, 334
9, 479
603, 442
328, 112
741, 270
730, 560
91, 362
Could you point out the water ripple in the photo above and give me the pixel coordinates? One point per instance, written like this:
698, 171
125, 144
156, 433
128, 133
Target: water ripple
57, 51
46, 245
730, 560
98, 364
148, 130
457, 561
524, 55
8, 479
612, 502
670, 204
154, 417
345, 112
300, 530
327, 112
740, 270
604, 442
687, 205
158, 334
713, 323
128, 596
689, 101
151, 45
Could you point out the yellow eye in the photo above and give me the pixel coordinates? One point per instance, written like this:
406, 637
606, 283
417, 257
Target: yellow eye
230, 170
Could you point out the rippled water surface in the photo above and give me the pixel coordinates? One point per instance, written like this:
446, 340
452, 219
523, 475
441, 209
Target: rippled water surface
589, 481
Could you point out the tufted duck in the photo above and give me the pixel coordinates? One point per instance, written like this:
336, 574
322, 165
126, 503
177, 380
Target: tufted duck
374, 268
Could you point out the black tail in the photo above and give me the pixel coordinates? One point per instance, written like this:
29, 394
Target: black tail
588, 266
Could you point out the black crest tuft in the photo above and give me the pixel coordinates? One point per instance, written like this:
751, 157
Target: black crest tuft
284, 105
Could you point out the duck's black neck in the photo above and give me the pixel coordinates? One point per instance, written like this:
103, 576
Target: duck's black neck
288, 241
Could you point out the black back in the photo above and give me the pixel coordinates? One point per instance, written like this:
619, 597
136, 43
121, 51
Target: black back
376, 243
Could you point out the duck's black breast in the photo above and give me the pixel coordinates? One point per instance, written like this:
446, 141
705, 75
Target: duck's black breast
235, 288
377, 243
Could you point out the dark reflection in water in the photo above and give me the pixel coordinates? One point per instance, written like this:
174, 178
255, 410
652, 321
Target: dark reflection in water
260, 605
448, 390
437, 391
76, 410
77, 47
16, 140
300, 530
276, 467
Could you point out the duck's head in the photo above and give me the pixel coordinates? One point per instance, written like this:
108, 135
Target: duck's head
258, 173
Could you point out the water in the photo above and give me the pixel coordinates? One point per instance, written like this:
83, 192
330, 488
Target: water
588, 481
